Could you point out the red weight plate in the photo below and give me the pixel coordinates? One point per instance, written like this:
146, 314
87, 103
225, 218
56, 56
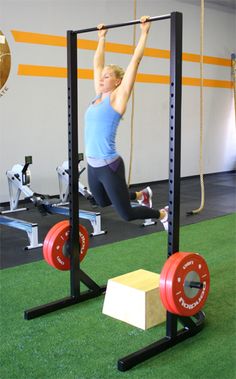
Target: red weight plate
63, 228
176, 259
171, 263
54, 231
162, 283
169, 282
84, 241
163, 276
189, 264
54, 254
48, 236
195, 303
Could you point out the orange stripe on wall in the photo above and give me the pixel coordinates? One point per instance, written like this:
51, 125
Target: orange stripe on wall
61, 72
37, 38
207, 82
151, 78
50, 71
30, 70
206, 59
47, 39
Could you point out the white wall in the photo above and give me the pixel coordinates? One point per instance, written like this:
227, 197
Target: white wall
33, 111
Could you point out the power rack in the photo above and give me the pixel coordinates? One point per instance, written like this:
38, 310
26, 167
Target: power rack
191, 325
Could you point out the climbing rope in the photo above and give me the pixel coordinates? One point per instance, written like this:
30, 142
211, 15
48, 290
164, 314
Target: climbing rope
201, 163
233, 76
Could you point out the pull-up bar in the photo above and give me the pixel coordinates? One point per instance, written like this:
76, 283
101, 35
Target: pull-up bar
112, 26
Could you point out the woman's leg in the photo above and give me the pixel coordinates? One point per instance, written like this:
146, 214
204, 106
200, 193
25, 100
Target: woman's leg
114, 183
97, 188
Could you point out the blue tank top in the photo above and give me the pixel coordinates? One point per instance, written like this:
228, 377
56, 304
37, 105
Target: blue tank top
101, 122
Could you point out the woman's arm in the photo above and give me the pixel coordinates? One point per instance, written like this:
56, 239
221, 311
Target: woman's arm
99, 58
125, 88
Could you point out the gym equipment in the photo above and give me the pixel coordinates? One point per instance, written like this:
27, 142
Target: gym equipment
63, 179
30, 228
191, 326
201, 112
112, 26
18, 182
141, 297
93, 217
134, 298
233, 78
56, 244
184, 283
19, 178
132, 106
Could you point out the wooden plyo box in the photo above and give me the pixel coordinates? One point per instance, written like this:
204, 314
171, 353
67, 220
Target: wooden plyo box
135, 298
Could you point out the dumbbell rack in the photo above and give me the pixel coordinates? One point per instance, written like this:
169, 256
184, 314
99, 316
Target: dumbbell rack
192, 325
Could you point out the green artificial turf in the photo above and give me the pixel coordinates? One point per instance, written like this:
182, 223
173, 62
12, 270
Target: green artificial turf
79, 342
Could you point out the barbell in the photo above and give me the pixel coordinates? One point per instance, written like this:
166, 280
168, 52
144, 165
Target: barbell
184, 279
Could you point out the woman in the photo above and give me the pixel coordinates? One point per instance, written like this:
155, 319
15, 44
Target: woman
106, 172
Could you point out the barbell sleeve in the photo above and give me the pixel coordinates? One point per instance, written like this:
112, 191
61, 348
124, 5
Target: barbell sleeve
198, 285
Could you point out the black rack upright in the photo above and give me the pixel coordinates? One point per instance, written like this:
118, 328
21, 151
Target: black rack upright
191, 326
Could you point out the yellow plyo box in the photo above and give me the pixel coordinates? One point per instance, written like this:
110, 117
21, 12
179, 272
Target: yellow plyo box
135, 299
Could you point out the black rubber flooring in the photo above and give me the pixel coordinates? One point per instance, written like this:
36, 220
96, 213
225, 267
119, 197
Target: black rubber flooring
220, 199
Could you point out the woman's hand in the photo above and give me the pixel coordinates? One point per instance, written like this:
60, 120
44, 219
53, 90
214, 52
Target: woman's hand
145, 26
101, 32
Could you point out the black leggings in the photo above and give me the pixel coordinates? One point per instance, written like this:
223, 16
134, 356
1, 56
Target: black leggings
108, 186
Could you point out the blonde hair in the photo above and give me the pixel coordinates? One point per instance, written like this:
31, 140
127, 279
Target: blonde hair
118, 71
